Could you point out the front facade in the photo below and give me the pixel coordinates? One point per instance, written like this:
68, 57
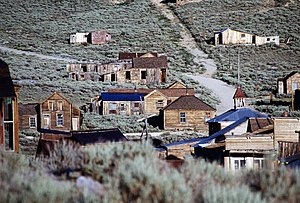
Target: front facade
9, 137
187, 112
289, 84
228, 36
57, 113
121, 103
28, 116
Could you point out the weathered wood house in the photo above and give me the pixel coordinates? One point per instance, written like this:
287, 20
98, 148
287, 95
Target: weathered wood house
96, 37
130, 68
9, 136
57, 113
121, 103
228, 36
187, 112
28, 116
289, 83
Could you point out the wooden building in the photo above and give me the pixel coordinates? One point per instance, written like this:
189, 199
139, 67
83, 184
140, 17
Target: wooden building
228, 36
142, 69
187, 112
96, 37
239, 98
57, 113
28, 116
9, 137
289, 84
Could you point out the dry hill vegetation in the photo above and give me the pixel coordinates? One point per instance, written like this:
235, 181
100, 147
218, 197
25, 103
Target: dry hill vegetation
260, 66
132, 172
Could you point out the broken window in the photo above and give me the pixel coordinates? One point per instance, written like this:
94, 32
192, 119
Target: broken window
60, 105
243, 35
268, 39
182, 117
113, 77
84, 68
159, 104
143, 74
128, 76
46, 121
8, 124
122, 107
59, 119
50, 105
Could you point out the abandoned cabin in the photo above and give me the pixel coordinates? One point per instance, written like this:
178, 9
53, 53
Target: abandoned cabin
141, 68
9, 137
56, 113
289, 83
96, 37
50, 138
187, 112
228, 36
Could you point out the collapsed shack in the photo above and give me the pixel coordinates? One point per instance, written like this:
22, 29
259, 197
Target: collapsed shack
50, 138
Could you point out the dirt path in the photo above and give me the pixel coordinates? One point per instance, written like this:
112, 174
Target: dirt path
42, 56
222, 90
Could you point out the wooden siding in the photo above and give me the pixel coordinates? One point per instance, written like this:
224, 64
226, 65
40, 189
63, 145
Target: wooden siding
284, 129
293, 79
151, 102
194, 119
68, 110
182, 150
130, 107
249, 143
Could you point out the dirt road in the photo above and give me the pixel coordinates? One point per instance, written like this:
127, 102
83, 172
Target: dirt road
42, 56
222, 90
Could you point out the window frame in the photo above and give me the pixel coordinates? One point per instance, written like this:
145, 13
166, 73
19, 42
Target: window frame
182, 119
60, 102
143, 74
29, 121
51, 105
59, 120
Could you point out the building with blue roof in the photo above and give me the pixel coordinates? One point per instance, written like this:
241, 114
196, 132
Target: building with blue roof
122, 103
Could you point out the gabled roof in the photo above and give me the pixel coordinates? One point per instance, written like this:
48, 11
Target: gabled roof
108, 96
177, 92
27, 109
141, 90
177, 83
98, 136
63, 97
258, 124
158, 92
290, 75
150, 62
236, 114
189, 102
126, 55
239, 93
6, 84
224, 29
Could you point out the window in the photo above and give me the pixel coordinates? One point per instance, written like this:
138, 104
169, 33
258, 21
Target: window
60, 105
294, 86
32, 122
159, 104
50, 105
46, 121
112, 106
59, 119
84, 68
268, 39
127, 77
122, 107
182, 117
113, 77
239, 164
143, 74
258, 163
243, 35
136, 105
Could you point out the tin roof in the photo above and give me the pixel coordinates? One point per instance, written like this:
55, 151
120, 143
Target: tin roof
189, 102
108, 96
6, 84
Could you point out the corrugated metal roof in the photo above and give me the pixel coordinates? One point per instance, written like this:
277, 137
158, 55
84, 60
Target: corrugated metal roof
236, 114
222, 132
6, 84
108, 96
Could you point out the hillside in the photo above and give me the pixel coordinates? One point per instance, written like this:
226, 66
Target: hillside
262, 65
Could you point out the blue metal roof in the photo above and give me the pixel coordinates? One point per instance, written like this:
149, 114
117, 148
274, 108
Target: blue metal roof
222, 132
109, 96
236, 114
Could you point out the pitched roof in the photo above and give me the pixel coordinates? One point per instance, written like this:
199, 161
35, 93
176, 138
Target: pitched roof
189, 102
6, 84
177, 92
141, 90
239, 93
150, 62
27, 109
256, 124
177, 83
126, 55
98, 136
290, 74
236, 114
109, 96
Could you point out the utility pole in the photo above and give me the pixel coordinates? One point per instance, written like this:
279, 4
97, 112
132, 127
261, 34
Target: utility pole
238, 67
